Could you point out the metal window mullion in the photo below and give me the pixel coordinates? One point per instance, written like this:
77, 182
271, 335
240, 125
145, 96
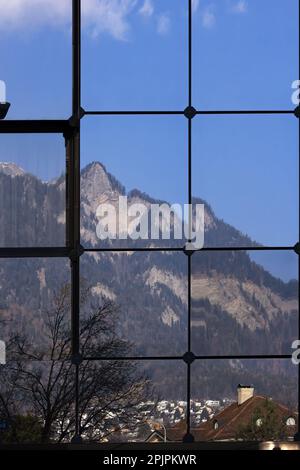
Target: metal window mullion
297, 436
188, 437
195, 357
74, 206
183, 249
66, 251
42, 126
181, 112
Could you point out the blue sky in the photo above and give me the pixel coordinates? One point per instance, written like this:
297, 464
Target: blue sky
134, 55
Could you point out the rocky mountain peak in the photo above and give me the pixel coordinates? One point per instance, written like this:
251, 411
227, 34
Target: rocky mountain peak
11, 169
97, 183
237, 306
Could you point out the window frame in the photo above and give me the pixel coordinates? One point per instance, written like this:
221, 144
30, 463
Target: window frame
71, 130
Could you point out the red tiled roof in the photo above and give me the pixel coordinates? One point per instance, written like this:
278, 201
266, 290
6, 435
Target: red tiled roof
229, 421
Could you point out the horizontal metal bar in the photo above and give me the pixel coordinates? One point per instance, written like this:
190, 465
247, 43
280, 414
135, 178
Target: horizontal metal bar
202, 112
260, 111
248, 248
182, 249
180, 358
133, 358
34, 252
132, 250
246, 357
38, 252
35, 126
129, 113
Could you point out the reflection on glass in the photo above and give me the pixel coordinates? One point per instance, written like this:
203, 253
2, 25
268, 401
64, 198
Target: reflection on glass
245, 169
239, 307
32, 190
35, 296
155, 172
154, 322
37, 379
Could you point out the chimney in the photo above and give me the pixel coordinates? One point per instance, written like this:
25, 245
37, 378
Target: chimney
244, 392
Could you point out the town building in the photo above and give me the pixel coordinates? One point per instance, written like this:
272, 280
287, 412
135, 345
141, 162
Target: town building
227, 424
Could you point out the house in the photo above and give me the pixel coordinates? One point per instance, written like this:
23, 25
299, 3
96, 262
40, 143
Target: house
155, 436
173, 434
225, 425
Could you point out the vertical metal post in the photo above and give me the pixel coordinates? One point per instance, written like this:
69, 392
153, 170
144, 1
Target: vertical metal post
74, 184
189, 260
297, 436
188, 437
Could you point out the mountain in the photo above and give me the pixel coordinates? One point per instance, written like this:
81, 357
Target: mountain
32, 211
237, 306
11, 169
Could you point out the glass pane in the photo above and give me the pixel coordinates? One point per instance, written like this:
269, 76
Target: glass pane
37, 402
134, 55
245, 400
36, 377
245, 54
241, 305
155, 152
132, 402
245, 168
36, 58
32, 190
133, 304
34, 293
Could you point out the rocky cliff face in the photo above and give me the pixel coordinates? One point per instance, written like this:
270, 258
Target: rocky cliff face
237, 306
32, 211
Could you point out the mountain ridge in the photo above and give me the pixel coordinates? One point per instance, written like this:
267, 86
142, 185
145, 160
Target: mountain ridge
237, 306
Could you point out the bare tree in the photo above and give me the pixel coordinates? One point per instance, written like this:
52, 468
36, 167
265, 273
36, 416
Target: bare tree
39, 379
